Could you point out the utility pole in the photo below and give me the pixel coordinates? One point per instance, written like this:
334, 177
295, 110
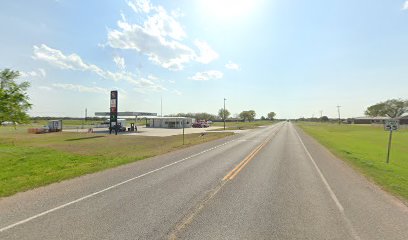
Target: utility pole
161, 107
224, 113
321, 113
183, 131
86, 114
338, 111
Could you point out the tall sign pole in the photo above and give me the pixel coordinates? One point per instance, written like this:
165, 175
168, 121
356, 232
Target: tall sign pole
390, 125
113, 119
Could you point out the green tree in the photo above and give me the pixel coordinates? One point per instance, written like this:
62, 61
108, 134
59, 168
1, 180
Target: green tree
14, 102
223, 114
271, 115
324, 119
392, 108
248, 115
205, 116
263, 118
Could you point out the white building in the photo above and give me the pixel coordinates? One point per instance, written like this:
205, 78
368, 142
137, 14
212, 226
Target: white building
170, 122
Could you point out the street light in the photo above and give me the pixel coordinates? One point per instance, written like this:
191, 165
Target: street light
224, 113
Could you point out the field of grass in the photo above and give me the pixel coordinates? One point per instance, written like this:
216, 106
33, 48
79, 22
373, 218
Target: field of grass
32, 160
242, 125
365, 148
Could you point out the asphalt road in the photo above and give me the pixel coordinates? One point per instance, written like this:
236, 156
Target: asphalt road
269, 183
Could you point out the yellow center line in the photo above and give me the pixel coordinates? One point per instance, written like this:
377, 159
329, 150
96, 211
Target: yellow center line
234, 172
246, 159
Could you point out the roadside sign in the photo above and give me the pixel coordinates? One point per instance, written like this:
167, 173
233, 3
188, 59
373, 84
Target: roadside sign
113, 112
391, 125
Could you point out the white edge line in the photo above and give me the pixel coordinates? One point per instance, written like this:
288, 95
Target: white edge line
108, 188
332, 194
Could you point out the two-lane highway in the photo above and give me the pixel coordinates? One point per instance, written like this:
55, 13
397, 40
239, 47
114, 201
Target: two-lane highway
269, 183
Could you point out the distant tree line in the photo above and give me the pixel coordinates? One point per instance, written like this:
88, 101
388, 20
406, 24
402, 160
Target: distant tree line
248, 116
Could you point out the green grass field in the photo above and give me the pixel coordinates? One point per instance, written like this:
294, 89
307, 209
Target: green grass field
242, 125
32, 160
365, 148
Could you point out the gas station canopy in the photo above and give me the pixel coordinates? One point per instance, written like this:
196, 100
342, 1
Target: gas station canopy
125, 114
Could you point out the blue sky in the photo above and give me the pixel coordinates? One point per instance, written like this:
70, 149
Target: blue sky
295, 58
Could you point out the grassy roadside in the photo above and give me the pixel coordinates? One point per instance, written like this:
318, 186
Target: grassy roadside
242, 125
365, 148
32, 160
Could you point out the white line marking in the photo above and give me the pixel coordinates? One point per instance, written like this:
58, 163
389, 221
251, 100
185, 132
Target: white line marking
108, 188
332, 195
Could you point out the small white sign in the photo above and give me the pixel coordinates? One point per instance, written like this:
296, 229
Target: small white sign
391, 125
113, 102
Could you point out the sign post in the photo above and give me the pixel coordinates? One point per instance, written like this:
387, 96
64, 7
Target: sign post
113, 116
183, 131
390, 125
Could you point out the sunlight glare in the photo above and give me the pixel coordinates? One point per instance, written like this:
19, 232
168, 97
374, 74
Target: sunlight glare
228, 8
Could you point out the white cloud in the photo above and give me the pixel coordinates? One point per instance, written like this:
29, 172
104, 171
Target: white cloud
75, 62
168, 54
204, 76
80, 88
140, 5
120, 62
42, 71
207, 54
158, 37
58, 59
46, 88
152, 77
35, 73
405, 6
232, 66
177, 92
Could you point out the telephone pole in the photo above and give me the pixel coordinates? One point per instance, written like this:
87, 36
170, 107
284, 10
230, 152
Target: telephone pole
161, 106
338, 111
224, 113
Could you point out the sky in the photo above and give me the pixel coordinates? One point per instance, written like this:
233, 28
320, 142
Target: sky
296, 58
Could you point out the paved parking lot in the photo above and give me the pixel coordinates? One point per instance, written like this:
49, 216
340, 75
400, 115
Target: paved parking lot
155, 132
164, 132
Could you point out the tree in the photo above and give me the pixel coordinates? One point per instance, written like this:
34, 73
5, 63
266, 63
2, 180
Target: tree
271, 115
223, 114
392, 108
248, 115
205, 116
324, 119
263, 118
14, 102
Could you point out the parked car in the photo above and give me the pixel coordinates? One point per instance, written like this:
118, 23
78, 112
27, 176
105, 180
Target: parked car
200, 124
119, 128
205, 125
197, 125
